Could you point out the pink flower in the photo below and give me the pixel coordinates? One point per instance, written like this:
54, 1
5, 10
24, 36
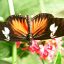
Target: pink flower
44, 54
46, 51
34, 47
18, 44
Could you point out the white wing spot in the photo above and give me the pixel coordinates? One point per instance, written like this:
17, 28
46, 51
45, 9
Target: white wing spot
6, 33
53, 29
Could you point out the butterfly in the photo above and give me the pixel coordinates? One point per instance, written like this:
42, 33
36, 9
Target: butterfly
40, 27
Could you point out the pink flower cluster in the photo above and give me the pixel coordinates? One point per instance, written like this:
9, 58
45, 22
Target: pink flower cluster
46, 51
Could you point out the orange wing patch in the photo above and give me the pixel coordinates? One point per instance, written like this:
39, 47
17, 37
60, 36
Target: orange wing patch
39, 26
19, 26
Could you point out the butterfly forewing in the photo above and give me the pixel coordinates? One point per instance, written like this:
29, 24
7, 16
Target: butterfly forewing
39, 25
18, 26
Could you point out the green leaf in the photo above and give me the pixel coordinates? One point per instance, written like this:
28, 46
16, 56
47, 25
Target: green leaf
25, 9
9, 59
58, 58
22, 53
4, 49
44, 61
1, 19
33, 7
4, 8
4, 62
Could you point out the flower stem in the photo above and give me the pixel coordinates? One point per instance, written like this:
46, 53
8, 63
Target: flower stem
14, 49
14, 54
11, 7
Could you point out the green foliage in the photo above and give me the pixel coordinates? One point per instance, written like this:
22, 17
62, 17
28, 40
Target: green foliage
30, 59
4, 8
4, 62
4, 49
32, 7
58, 58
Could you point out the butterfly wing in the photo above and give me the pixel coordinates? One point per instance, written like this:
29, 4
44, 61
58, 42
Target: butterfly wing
2, 25
18, 26
40, 26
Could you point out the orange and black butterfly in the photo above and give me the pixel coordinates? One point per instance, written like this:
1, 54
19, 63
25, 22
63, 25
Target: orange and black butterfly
41, 26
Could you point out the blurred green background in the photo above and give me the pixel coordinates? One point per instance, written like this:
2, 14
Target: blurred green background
33, 7
27, 7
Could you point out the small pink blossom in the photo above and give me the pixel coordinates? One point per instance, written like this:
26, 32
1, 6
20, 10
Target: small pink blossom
46, 51
18, 44
34, 47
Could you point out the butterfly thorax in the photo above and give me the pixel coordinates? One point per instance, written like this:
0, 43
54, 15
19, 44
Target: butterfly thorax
29, 36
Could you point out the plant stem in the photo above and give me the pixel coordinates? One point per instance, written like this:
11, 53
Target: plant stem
14, 49
42, 6
11, 7
14, 54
